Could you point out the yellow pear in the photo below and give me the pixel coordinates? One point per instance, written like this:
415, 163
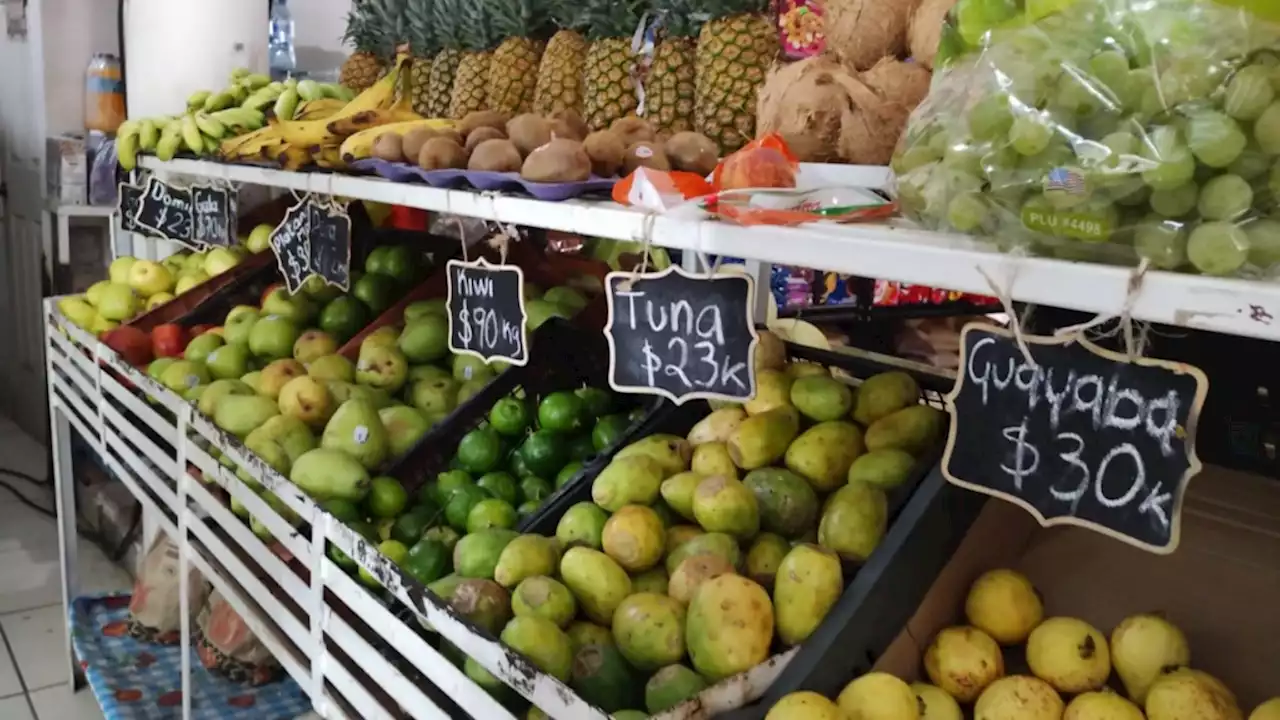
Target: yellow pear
963, 661
1018, 697
878, 696
935, 703
1005, 605
1069, 654
1144, 647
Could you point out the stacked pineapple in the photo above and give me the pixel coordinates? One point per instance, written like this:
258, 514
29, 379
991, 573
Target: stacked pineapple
367, 33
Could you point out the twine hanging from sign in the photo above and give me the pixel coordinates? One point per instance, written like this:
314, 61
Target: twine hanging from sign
1133, 349
1005, 296
646, 240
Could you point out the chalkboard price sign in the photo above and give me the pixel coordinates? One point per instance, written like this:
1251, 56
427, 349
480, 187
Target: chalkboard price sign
166, 210
214, 221
680, 335
127, 202
486, 311
291, 242
331, 244
1082, 436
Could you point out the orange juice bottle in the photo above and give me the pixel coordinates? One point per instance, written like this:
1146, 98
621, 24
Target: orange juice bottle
103, 94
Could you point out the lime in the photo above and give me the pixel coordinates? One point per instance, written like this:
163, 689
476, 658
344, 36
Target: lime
535, 489
340, 558
428, 560
480, 451
344, 510
500, 485
518, 468
344, 317
460, 504
386, 498
567, 472
401, 263
365, 528
395, 550
580, 447
597, 402
527, 508
376, 291
444, 534
562, 412
510, 417
410, 526
383, 529
608, 431
491, 513
376, 261
544, 453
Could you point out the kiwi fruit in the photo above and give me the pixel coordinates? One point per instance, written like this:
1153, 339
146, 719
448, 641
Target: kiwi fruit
529, 132
605, 150
560, 160
631, 130
388, 146
494, 154
413, 141
441, 153
567, 123
692, 152
644, 154
481, 118
481, 134
451, 134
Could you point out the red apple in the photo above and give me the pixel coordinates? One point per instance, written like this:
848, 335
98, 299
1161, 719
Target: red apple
131, 343
168, 340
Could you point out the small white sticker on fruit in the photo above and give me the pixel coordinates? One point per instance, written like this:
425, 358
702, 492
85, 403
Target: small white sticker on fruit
192, 381
360, 434
212, 356
644, 152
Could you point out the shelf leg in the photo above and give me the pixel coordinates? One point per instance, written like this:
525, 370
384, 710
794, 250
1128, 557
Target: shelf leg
65, 503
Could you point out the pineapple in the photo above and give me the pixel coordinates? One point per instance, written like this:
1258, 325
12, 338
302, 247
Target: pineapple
670, 86
609, 90
513, 71
735, 50
363, 67
471, 81
559, 84
444, 22
423, 45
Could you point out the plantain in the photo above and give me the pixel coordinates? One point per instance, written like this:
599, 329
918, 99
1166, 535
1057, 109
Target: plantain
191, 136
210, 126
360, 145
169, 141
220, 101
197, 99
287, 104
148, 135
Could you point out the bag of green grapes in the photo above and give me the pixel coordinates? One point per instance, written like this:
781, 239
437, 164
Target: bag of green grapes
1105, 130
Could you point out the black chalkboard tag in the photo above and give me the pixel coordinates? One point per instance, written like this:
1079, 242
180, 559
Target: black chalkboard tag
167, 211
1084, 436
291, 242
486, 311
212, 213
127, 202
331, 244
681, 335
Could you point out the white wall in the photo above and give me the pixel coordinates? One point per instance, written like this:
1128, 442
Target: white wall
73, 31
318, 27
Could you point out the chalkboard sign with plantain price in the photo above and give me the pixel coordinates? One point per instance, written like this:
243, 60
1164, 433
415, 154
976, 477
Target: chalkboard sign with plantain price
291, 242
486, 311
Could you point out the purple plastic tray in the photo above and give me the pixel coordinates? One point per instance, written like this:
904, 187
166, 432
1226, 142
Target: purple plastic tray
482, 179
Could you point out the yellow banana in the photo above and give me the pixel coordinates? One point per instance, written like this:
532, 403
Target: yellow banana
249, 145
360, 145
329, 157
353, 124
318, 109
381, 94
294, 158
314, 133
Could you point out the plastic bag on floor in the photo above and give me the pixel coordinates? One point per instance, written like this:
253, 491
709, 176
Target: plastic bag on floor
227, 646
155, 610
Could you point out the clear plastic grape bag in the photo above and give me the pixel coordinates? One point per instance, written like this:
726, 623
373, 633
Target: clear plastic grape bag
1105, 130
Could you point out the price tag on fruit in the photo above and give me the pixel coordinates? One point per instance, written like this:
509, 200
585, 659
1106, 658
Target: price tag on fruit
486, 311
127, 202
1082, 436
167, 211
331, 243
214, 222
291, 242
680, 335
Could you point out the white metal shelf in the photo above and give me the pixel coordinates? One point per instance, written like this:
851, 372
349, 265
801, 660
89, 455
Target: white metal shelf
891, 251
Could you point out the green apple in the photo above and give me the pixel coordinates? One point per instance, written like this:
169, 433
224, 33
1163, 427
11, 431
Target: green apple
80, 313
188, 281
238, 325
149, 278
296, 308
176, 262
158, 299
259, 239
118, 302
200, 347
95, 291
119, 269
194, 261
273, 337
183, 375
219, 260
228, 362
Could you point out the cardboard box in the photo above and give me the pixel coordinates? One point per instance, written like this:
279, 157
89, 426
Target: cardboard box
67, 170
1221, 586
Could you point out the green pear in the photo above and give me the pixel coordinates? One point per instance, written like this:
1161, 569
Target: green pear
340, 390
219, 389
228, 362
356, 430
327, 474
385, 336
382, 367
313, 344
241, 414
405, 427
428, 372
253, 380
183, 375
308, 400
292, 434
267, 450
332, 367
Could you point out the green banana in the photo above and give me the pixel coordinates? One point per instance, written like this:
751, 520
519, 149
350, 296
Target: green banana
253, 81
211, 145
127, 149
338, 92
217, 102
191, 135
238, 94
197, 99
241, 118
310, 90
170, 139
287, 104
210, 126
239, 74
148, 135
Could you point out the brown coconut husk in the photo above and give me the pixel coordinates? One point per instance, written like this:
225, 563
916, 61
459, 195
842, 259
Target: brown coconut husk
904, 83
925, 30
863, 31
897, 88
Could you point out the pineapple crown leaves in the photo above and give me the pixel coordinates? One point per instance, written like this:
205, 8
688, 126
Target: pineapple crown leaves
361, 30
516, 18
679, 18
476, 26
423, 39
392, 19
566, 14
613, 18
444, 23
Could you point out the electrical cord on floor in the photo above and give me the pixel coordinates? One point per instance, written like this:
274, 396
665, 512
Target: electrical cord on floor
113, 553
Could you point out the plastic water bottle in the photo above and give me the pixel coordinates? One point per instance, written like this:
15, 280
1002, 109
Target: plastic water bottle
281, 56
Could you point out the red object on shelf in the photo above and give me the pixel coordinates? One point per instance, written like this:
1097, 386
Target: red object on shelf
131, 343
197, 330
408, 218
168, 340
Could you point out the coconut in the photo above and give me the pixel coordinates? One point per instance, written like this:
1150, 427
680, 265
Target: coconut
925, 29
903, 83
866, 30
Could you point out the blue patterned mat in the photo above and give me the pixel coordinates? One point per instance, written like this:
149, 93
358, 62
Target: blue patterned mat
133, 680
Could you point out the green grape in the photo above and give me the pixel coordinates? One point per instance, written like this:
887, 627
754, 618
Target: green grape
1225, 197
1163, 242
1076, 95
977, 17
1218, 248
1266, 129
1175, 202
1130, 192
1249, 93
1214, 138
1139, 83
1252, 163
990, 118
1273, 182
1175, 164
914, 157
1030, 134
1110, 67
966, 157
1264, 242
1119, 143
967, 212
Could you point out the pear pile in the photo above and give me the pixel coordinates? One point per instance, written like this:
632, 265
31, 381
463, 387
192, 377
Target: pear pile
1071, 667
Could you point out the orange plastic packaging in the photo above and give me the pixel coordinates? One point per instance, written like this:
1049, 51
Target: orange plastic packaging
765, 162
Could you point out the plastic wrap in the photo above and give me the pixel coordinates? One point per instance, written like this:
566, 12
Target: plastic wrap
1105, 130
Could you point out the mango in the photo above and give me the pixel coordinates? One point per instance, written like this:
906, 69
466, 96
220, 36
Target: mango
678, 535
773, 391
582, 633
722, 504
821, 397
634, 537
716, 427
633, 480
854, 521
809, 583
671, 686
881, 695
788, 504
884, 394
653, 580
544, 597
713, 459
649, 630
762, 439
885, 469
729, 627
476, 555
672, 452
771, 352
328, 475
714, 543
914, 430
805, 705
764, 557
602, 677
524, 557
823, 453
483, 602
582, 524
598, 582
692, 572
543, 643
677, 491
